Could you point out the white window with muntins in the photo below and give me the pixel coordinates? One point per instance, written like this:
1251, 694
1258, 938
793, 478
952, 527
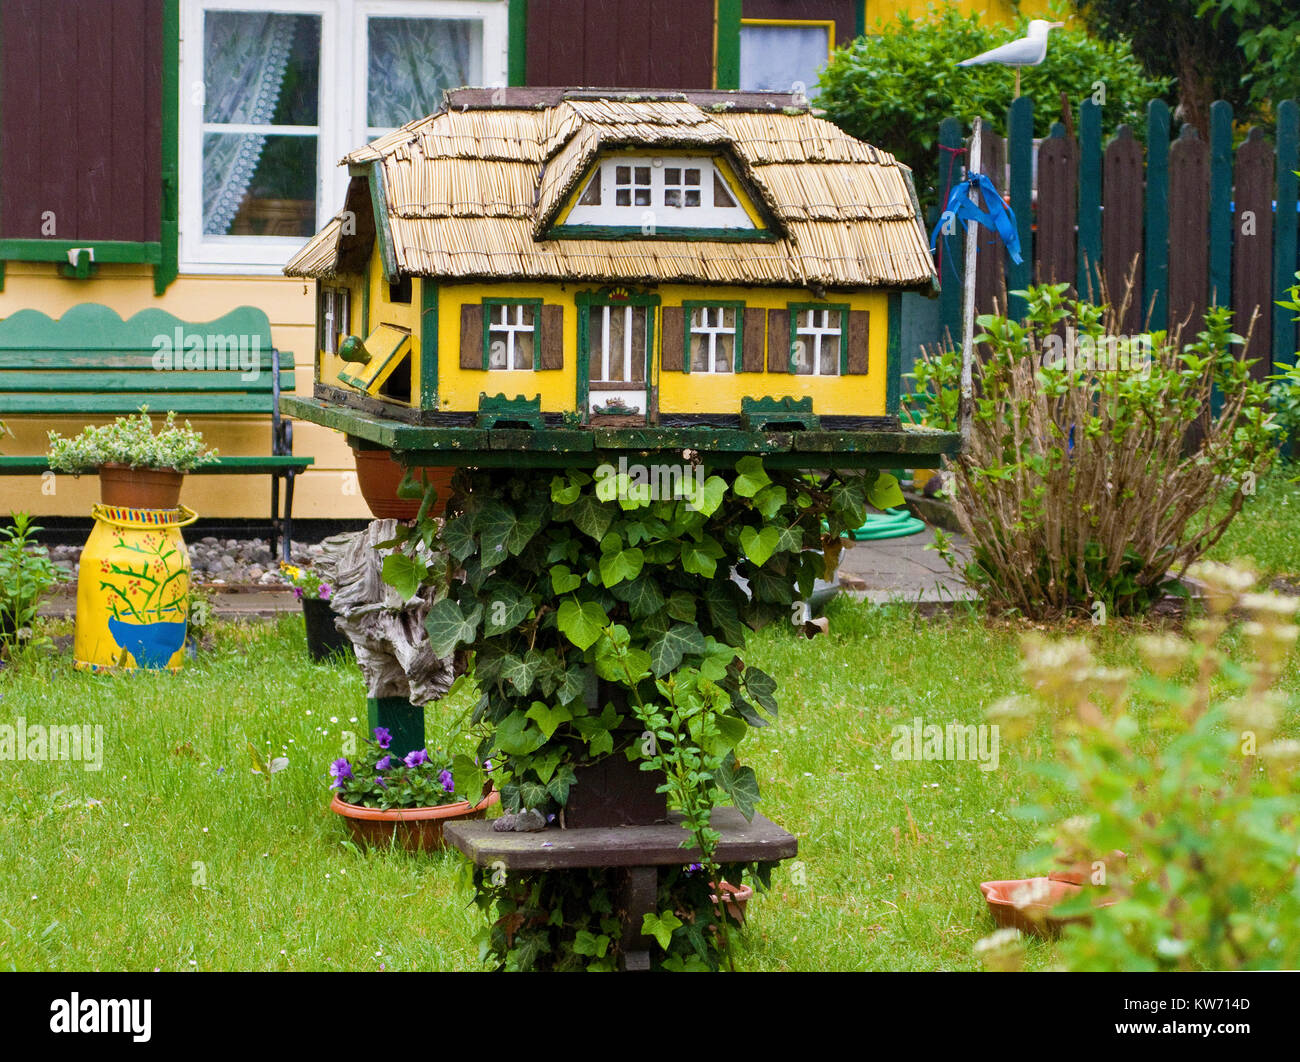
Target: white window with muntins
274, 92
818, 342
512, 331
660, 191
713, 339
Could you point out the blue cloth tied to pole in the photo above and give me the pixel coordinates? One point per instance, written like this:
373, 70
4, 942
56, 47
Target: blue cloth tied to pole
997, 218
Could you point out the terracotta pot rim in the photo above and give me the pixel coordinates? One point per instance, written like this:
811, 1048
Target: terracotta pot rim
735, 893
142, 468
443, 811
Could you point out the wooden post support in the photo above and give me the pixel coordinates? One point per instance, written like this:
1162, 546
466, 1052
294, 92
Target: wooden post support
968, 297
403, 720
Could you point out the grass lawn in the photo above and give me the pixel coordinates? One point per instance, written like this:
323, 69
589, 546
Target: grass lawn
176, 856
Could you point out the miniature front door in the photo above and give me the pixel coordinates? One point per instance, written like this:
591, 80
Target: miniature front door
614, 380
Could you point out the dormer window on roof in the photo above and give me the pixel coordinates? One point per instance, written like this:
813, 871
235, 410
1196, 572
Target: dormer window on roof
666, 195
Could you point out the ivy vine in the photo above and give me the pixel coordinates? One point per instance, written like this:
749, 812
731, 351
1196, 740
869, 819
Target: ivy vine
607, 622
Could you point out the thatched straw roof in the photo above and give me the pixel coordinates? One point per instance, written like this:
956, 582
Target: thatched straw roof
471, 192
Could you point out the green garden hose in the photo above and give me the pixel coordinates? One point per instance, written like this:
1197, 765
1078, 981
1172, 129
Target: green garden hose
892, 523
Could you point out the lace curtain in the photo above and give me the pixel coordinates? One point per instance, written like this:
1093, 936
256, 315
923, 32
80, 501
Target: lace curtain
244, 56
412, 60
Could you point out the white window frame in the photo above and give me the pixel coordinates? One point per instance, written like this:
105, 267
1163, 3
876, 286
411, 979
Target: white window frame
712, 331
657, 213
341, 114
511, 328
814, 331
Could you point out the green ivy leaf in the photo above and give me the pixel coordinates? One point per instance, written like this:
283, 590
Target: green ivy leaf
706, 499
642, 595
885, 492
750, 478
520, 672
507, 607
759, 545
548, 718
544, 765
616, 567
740, 784
660, 926
517, 735
449, 628
587, 943
590, 517
770, 500
582, 624
404, 574
681, 606
560, 785
458, 534
761, 687
564, 492
668, 648
563, 580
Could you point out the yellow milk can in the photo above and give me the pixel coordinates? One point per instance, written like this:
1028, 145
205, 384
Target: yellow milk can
133, 589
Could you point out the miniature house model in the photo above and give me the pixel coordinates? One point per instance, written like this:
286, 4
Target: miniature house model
577, 258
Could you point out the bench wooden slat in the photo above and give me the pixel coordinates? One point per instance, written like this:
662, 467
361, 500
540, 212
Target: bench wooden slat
110, 382
15, 465
131, 403
128, 360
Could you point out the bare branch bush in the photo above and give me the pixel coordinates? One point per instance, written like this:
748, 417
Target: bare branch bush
1096, 470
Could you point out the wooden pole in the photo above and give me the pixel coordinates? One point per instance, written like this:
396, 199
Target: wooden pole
968, 295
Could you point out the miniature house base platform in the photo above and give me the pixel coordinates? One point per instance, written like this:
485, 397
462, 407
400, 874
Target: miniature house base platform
509, 447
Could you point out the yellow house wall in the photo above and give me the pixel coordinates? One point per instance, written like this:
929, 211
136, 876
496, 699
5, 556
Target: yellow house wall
1003, 11
328, 489
679, 392
381, 311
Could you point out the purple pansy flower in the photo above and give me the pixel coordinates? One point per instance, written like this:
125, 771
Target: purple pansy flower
444, 776
380, 781
414, 759
340, 771
297, 592
382, 737
384, 763
693, 867
324, 591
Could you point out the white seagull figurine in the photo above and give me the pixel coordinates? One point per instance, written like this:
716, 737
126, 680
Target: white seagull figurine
1028, 51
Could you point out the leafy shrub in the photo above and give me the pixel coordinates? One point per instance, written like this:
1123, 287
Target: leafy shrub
130, 441
1093, 467
892, 88
1184, 771
26, 574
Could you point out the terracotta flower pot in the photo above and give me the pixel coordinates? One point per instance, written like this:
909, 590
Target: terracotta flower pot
140, 488
1035, 917
415, 829
738, 897
378, 476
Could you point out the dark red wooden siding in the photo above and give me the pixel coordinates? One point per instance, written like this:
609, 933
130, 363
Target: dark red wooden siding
620, 43
81, 118
844, 13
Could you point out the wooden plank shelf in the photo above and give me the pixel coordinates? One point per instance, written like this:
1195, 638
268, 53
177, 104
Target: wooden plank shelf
760, 841
422, 444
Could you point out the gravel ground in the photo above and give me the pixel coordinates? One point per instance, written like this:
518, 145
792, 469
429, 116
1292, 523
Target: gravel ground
218, 561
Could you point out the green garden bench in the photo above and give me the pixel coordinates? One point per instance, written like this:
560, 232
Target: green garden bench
91, 363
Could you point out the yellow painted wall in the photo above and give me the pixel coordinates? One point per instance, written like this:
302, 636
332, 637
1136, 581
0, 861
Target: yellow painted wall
996, 10
327, 490
679, 392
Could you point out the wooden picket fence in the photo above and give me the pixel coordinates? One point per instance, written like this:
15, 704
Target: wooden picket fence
1197, 220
